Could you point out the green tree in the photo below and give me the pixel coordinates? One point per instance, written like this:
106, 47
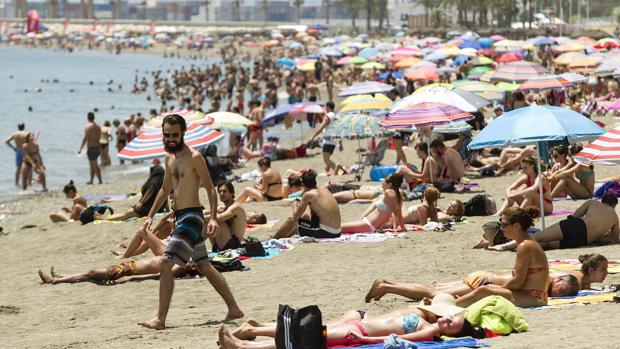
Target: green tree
298, 4
353, 9
369, 6
327, 4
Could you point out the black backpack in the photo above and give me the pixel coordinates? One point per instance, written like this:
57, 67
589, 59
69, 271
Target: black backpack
253, 247
480, 205
300, 329
88, 215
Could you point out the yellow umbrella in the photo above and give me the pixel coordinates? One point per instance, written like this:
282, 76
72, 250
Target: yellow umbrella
373, 65
507, 45
568, 58
486, 77
223, 119
407, 62
450, 51
585, 62
355, 98
308, 66
367, 104
435, 84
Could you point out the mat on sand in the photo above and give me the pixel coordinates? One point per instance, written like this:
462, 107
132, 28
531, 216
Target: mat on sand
582, 298
575, 265
447, 344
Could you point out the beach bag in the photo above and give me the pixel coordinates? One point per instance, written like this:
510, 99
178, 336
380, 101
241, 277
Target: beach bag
253, 247
612, 188
300, 151
224, 263
300, 329
88, 215
480, 205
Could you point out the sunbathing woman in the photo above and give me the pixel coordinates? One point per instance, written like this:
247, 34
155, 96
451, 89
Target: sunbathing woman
149, 193
79, 204
406, 323
529, 283
525, 190
270, 187
429, 164
118, 273
384, 208
428, 211
577, 181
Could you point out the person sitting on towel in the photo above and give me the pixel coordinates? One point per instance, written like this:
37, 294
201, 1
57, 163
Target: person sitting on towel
324, 220
593, 221
232, 220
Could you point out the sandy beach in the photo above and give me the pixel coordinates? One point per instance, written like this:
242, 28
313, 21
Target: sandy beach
334, 276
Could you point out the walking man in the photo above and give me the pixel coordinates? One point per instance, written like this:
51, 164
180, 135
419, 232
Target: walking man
186, 171
19, 137
92, 134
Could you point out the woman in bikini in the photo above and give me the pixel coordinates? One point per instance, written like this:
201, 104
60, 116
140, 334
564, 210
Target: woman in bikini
79, 204
357, 328
528, 286
387, 206
429, 165
270, 188
559, 154
577, 181
428, 211
525, 190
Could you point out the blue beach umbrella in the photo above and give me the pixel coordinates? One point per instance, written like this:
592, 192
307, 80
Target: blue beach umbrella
286, 62
534, 125
471, 44
330, 51
366, 87
485, 42
397, 74
277, 115
368, 52
295, 45
436, 56
460, 60
541, 41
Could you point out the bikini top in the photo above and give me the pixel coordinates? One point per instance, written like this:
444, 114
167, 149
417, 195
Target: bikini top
381, 206
534, 270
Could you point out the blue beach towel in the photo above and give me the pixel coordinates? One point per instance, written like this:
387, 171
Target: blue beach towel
395, 342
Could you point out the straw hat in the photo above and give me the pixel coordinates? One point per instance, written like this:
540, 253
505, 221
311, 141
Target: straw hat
442, 304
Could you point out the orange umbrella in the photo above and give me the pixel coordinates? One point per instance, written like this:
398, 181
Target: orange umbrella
407, 62
585, 63
428, 73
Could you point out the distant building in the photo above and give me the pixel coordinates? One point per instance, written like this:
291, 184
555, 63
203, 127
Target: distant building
405, 12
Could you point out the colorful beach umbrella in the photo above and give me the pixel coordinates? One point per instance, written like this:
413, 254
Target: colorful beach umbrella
407, 62
373, 65
574, 77
365, 105
355, 126
518, 72
569, 47
190, 116
424, 114
509, 57
585, 63
428, 74
605, 150
568, 58
544, 83
507, 86
482, 89
615, 105
149, 143
479, 70
307, 66
455, 97
234, 122
607, 43
365, 87
356, 98
479, 61
357, 60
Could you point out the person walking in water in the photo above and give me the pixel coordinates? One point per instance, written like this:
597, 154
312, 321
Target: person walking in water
19, 137
186, 171
92, 135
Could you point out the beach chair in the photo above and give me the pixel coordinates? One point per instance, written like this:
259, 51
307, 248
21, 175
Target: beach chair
371, 158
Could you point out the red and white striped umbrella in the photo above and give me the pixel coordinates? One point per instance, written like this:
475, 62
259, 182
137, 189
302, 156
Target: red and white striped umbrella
605, 150
424, 114
149, 143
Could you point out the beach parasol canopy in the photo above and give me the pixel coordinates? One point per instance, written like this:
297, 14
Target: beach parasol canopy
373, 65
479, 61
365, 87
455, 97
356, 98
584, 63
568, 58
369, 52
482, 89
544, 83
607, 43
574, 77
223, 120
277, 115
509, 57
355, 126
424, 114
428, 74
518, 72
615, 105
365, 104
286, 62
569, 47
605, 150
406, 62
190, 116
149, 143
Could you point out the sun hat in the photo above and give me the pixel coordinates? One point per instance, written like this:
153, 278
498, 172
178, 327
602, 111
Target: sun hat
442, 304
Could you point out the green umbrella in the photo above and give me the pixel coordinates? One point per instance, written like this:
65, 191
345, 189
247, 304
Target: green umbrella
479, 70
357, 60
507, 86
373, 65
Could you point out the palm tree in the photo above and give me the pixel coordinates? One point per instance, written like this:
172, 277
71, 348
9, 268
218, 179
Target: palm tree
369, 4
265, 5
207, 3
236, 10
353, 8
298, 4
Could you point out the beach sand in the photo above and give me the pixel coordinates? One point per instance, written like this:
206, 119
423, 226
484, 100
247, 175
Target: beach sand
334, 276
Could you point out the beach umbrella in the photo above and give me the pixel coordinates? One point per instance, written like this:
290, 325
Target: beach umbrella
509, 57
478, 61
515, 128
365, 88
450, 128
424, 114
344, 60
482, 89
397, 74
615, 105
507, 86
286, 62
307, 66
277, 115
470, 44
585, 40
190, 116
369, 52
406, 51
570, 46
605, 150
149, 143
545, 82
436, 56
574, 77
585, 63
373, 65
479, 70
407, 62
356, 98
485, 42
568, 58
330, 51
366, 104
357, 60
455, 97
520, 71
541, 41
507, 45
497, 37
355, 126
319, 26
607, 43
434, 84
233, 122
428, 74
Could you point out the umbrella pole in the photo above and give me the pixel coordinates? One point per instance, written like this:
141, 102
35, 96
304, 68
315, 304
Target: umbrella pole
540, 186
430, 167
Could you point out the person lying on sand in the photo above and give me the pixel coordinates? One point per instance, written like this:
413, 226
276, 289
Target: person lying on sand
118, 273
356, 328
382, 210
593, 221
324, 220
79, 204
428, 211
508, 160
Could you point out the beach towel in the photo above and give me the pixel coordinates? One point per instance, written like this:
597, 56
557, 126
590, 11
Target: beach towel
562, 212
105, 196
357, 238
612, 188
582, 298
575, 265
496, 314
395, 342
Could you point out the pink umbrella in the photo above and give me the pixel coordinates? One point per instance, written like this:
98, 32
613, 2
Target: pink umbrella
497, 37
615, 105
300, 110
344, 60
406, 51
427, 73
